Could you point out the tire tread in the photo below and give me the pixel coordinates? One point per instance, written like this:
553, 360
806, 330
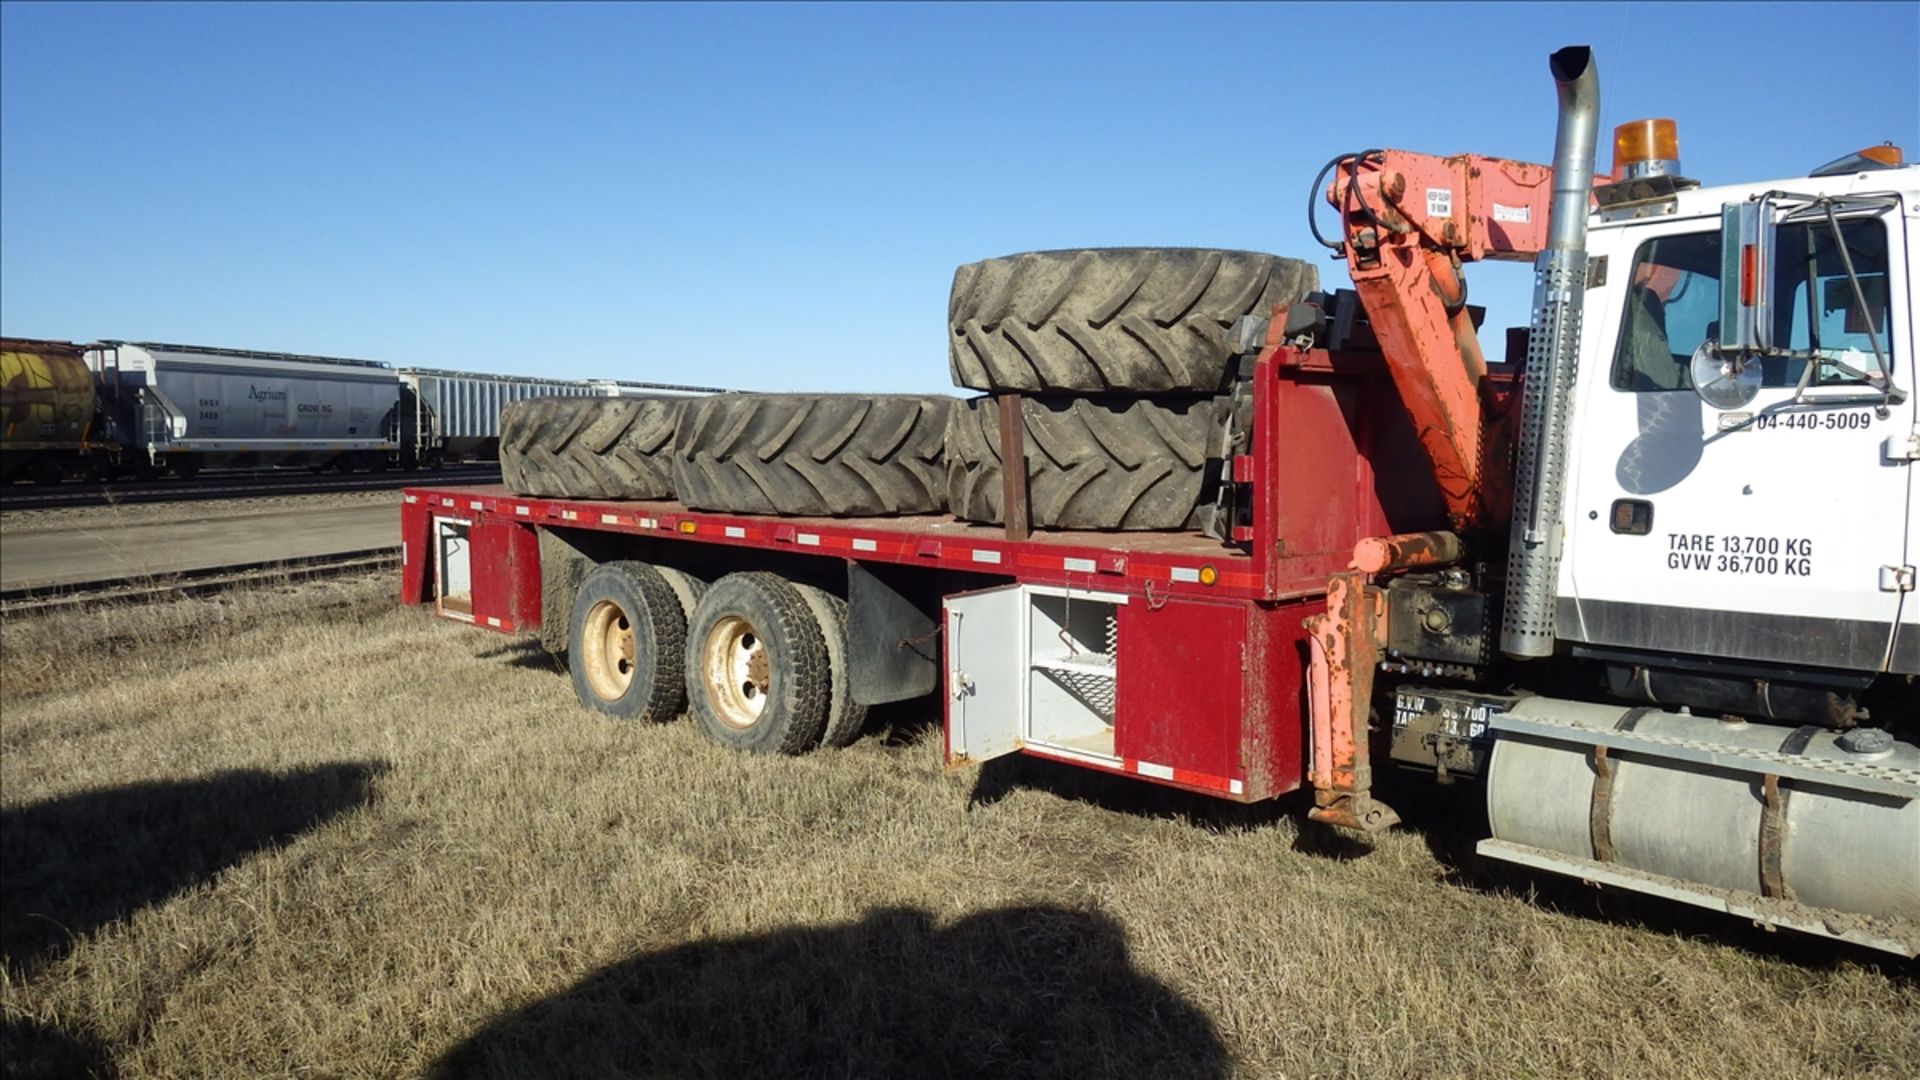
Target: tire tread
813, 455
1092, 463
1105, 320
589, 447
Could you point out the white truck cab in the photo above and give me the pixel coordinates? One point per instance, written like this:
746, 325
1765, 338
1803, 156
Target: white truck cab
1757, 510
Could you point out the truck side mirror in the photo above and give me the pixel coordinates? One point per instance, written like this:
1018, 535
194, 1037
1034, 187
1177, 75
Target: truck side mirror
1746, 278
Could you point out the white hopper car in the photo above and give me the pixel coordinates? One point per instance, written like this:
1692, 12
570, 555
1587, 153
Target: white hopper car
185, 406
179, 408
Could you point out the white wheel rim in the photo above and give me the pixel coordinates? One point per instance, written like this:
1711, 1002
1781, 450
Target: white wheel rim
607, 650
738, 672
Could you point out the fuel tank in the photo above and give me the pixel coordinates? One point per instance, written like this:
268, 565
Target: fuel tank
1802, 827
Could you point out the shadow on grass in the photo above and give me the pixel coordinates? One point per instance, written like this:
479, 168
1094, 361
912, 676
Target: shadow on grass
1003, 776
76, 863
1028, 991
526, 652
35, 1051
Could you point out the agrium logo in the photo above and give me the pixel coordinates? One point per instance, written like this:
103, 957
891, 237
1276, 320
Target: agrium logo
254, 393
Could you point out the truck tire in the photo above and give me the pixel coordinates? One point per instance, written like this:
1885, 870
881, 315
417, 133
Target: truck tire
686, 588
1104, 320
1092, 463
845, 717
627, 643
588, 447
812, 454
757, 668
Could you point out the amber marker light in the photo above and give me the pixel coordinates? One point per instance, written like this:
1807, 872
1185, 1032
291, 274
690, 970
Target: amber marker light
1886, 154
1208, 575
689, 527
1646, 148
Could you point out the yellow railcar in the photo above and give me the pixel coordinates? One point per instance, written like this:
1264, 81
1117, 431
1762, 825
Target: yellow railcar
47, 412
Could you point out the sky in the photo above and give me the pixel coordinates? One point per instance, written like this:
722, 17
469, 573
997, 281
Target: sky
775, 197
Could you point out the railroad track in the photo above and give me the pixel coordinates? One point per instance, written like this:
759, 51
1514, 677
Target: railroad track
147, 588
234, 486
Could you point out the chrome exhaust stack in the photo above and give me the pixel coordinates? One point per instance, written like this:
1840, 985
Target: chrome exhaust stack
1553, 354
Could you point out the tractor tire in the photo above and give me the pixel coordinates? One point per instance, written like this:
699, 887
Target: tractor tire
588, 447
812, 454
758, 671
628, 642
1092, 463
1107, 320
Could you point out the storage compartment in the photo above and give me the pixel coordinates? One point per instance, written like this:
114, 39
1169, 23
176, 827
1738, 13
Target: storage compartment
453, 568
1031, 665
1071, 656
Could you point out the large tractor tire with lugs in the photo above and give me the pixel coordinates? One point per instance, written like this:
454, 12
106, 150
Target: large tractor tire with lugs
1092, 463
589, 447
1129, 320
812, 454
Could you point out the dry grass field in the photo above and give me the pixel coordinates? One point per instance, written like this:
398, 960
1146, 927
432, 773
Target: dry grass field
309, 833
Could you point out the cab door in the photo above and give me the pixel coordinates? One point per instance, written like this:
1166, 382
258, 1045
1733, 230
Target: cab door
1775, 531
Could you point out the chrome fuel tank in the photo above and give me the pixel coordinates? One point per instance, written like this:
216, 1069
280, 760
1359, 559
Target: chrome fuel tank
1790, 818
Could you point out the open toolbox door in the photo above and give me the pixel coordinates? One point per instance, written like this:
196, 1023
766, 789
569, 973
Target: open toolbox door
985, 674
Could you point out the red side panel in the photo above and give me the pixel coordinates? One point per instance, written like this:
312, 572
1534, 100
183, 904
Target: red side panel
1274, 721
1324, 419
506, 574
1179, 696
1214, 690
416, 550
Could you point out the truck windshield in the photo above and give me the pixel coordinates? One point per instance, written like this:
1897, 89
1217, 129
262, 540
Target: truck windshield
1673, 305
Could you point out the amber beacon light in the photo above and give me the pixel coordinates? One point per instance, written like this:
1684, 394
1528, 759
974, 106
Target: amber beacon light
1643, 148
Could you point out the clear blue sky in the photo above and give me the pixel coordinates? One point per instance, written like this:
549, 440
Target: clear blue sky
775, 197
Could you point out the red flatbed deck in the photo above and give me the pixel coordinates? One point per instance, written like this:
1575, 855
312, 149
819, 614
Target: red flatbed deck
1164, 563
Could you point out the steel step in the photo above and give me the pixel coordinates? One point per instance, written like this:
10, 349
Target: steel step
1896, 936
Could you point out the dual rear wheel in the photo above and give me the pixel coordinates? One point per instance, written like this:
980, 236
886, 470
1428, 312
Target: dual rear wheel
758, 661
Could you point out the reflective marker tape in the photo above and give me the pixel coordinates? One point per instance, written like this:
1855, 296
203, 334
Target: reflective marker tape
1084, 566
569, 515
808, 540
1186, 573
1158, 772
985, 556
523, 510
493, 620
1236, 787
736, 532
649, 523
411, 498
609, 519
864, 545
473, 504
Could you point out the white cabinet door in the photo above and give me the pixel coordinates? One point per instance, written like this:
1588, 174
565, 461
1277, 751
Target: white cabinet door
986, 673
